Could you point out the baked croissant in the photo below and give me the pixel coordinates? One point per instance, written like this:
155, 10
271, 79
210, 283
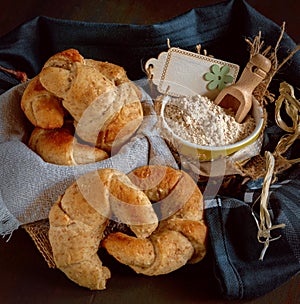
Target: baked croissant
98, 97
79, 218
42, 108
111, 119
60, 146
181, 234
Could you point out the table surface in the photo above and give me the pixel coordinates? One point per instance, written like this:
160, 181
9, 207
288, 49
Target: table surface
25, 276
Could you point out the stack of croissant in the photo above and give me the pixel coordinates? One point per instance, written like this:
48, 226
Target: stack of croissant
163, 208
95, 98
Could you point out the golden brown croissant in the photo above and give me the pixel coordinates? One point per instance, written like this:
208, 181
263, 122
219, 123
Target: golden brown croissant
79, 218
42, 108
98, 95
111, 119
103, 103
64, 59
114, 73
60, 147
181, 234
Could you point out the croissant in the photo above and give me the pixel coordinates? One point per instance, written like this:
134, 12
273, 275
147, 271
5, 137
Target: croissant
181, 234
98, 95
64, 59
114, 73
42, 108
79, 218
60, 147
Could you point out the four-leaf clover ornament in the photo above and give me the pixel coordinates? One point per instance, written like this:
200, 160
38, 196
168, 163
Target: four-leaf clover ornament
218, 77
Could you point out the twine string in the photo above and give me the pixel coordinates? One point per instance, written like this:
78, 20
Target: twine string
265, 225
256, 46
292, 109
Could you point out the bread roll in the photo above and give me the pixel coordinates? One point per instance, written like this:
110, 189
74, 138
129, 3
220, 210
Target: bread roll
42, 108
98, 97
114, 73
181, 235
60, 147
64, 59
112, 118
104, 103
78, 87
79, 218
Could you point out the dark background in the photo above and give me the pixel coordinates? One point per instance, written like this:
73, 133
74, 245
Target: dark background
15, 12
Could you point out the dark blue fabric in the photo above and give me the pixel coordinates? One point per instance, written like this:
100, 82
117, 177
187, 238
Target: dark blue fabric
221, 29
235, 247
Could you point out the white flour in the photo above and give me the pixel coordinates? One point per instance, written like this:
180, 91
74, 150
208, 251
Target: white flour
199, 120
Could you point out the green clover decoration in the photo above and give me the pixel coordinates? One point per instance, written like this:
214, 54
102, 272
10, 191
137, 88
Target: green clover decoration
218, 77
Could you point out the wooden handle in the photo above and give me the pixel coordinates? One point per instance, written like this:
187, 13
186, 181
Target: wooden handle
238, 96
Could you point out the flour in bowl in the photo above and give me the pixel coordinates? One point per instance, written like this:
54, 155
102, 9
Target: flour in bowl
199, 120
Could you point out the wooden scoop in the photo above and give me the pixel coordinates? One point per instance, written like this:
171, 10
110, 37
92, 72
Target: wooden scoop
238, 96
